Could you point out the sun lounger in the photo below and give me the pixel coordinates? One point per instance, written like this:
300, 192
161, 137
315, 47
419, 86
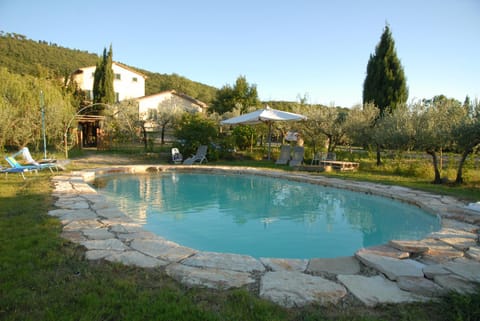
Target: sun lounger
298, 153
199, 157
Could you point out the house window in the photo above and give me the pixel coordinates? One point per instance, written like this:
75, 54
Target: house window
117, 97
93, 75
117, 77
134, 79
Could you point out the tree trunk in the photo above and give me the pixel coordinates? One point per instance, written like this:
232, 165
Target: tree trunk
144, 131
379, 160
459, 179
438, 179
162, 141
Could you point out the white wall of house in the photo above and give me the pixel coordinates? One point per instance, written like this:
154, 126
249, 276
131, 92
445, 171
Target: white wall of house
127, 83
170, 99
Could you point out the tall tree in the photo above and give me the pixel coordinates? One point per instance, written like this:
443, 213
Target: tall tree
103, 91
385, 84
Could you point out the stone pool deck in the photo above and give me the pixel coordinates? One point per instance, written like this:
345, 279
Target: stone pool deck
397, 272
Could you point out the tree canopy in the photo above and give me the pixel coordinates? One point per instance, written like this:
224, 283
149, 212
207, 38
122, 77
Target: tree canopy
242, 96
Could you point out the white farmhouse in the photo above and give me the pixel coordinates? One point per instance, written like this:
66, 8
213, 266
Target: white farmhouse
127, 82
171, 101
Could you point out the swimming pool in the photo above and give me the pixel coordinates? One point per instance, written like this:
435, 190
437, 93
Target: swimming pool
262, 216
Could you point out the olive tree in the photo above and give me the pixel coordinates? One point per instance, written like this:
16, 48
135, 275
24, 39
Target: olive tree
467, 134
435, 124
21, 115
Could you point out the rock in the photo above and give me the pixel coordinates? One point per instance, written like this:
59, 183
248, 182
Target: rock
467, 269
439, 251
124, 227
110, 245
285, 264
455, 283
385, 250
391, 267
82, 225
473, 253
293, 289
340, 265
163, 249
459, 243
98, 234
451, 232
99, 254
209, 278
111, 213
431, 271
454, 224
409, 246
226, 261
377, 290
73, 236
137, 259
421, 286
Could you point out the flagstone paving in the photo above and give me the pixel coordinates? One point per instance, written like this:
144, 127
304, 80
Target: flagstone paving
400, 271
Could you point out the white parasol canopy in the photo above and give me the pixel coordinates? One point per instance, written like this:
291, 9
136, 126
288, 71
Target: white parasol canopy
266, 115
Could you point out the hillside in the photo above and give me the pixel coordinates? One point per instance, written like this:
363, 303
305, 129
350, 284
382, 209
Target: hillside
48, 60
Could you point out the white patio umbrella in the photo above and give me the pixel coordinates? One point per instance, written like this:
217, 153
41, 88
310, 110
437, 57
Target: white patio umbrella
266, 115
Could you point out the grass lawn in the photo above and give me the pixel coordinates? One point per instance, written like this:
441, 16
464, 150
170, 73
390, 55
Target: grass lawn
44, 277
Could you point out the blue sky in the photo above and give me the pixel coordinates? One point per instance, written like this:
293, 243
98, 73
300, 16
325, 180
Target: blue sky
287, 48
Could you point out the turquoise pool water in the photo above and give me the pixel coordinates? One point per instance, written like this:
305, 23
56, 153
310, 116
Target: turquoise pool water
263, 216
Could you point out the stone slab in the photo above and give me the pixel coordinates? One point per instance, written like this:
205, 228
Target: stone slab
111, 213
99, 254
376, 290
293, 289
454, 224
420, 286
451, 232
409, 246
467, 269
473, 253
340, 265
391, 267
385, 250
162, 249
98, 234
226, 261
459, 243
274, 264
109, 245
137, 259
430, 271
73, 236
209, 278
82, 225
455, 283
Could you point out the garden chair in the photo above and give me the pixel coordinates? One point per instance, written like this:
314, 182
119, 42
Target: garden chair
177, 157
284, 157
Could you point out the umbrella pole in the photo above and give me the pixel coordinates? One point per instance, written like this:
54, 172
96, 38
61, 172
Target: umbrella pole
269, 138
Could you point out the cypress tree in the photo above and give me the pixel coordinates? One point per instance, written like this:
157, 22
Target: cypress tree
109, 97
385, 84
103, 91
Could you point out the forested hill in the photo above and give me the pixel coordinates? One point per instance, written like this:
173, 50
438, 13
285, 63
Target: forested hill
48, 60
